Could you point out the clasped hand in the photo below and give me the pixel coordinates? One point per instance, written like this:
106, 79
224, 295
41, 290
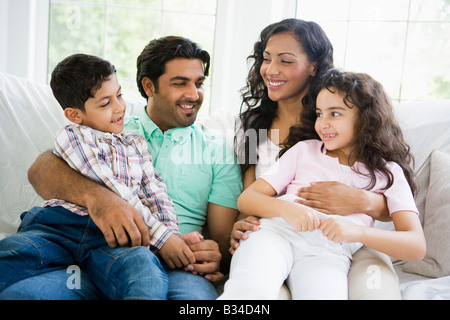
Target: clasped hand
334, 228
301, 218
191, 252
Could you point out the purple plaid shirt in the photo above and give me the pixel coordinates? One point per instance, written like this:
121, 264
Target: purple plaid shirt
123, 163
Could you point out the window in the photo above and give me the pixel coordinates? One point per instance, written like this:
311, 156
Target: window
403, 43
118, 30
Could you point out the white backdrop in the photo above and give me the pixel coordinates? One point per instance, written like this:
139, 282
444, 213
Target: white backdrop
24, 37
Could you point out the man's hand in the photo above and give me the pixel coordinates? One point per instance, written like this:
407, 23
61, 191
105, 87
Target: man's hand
120, 223
207, 256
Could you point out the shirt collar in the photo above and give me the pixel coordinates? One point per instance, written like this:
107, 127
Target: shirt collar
108, 135
178, 135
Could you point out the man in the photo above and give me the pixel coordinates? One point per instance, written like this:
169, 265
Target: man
201, 180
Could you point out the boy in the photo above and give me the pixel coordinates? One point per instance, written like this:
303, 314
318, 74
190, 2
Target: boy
88, 91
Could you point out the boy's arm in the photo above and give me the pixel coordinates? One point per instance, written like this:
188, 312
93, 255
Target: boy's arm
153, 192
176, 252
120, 222
77, 145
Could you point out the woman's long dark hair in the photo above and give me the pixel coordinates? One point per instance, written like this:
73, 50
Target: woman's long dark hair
379, 136
260, 111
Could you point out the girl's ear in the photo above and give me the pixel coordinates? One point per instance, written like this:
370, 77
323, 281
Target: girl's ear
73, 115
149, 88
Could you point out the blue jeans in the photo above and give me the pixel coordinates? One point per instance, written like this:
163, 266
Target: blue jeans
52, 285
53, 238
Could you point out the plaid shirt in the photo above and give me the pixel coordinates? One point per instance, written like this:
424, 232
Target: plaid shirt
123, 163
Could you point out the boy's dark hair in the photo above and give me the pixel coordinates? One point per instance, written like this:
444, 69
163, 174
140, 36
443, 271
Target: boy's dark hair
77, 78
152, 61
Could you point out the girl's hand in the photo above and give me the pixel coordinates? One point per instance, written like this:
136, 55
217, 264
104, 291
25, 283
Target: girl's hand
301, 218
337, 230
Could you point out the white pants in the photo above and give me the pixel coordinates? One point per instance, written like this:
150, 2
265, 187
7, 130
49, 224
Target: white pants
315, 267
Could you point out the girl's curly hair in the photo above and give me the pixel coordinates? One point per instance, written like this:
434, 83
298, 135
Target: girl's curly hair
380, 137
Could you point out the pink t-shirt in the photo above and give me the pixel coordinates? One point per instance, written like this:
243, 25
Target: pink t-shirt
307, 162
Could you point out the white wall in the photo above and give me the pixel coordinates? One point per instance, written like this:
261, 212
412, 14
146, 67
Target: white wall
238, 26
24, 37
3, 34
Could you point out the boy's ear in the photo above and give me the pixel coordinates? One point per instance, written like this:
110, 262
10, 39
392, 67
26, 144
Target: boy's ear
73, 115
149, 88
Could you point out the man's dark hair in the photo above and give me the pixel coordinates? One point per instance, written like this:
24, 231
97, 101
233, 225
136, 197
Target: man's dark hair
151, 62
77, 78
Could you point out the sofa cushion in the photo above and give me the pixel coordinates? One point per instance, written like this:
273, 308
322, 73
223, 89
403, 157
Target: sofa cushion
30, 118
436, 220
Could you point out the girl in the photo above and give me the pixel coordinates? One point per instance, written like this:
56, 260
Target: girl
361, 145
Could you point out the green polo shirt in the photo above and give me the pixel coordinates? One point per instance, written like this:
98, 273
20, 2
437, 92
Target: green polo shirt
196, 167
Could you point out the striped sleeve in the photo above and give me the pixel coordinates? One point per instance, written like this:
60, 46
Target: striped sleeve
153, 194
78, 146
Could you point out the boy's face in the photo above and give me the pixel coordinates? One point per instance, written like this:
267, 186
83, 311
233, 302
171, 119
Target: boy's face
106, 110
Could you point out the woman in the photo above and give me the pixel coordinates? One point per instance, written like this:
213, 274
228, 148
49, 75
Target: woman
288, 61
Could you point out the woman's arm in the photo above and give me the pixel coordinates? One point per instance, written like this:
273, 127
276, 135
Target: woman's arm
120, 223
220, 223
249, 177
340, 199
244, 223
407, 242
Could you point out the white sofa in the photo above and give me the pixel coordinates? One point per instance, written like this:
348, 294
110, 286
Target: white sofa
30, 117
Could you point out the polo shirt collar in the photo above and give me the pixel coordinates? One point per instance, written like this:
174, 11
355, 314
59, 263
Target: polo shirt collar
177, 135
